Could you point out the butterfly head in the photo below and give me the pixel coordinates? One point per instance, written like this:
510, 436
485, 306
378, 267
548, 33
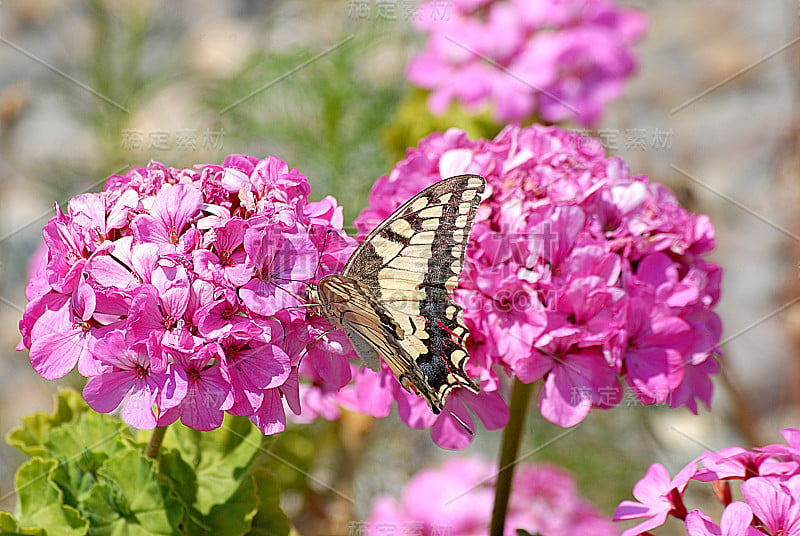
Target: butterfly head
312, 294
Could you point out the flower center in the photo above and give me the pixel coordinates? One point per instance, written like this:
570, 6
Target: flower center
142, 371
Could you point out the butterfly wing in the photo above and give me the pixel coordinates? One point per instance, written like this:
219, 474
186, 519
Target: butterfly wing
411, 263
349, 305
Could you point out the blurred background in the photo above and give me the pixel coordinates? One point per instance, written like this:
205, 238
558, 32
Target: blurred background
91, 88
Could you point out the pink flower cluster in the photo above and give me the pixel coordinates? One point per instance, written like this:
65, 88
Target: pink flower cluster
458, 498
560, 59
176, 292
769, 489
577, 273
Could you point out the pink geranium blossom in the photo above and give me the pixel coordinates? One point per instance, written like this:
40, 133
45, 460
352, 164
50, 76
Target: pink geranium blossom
208, 393
736, 520
658, 496
457, 499
278, 263
558, 60
172, 290
134, 374
769, 483
577, 273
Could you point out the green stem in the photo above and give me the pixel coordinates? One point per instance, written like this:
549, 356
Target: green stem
512, 435
154, 446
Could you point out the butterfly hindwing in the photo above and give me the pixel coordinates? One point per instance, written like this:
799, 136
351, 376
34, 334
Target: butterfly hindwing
372, 331
394, 292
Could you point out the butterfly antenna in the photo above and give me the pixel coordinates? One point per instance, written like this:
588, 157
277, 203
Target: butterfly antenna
462, 423
319, 261
308, 349
289, 292
119, 261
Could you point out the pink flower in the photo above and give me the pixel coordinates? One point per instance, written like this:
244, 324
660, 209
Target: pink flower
735, 521
172, 288
658, 496
208, 394
278, 264
775, 502
736, 462
577, 272
134, 373
159, 307
225, 260
653, 349
576, 382
60, 337
446, 430
167, 220
769, 486
560, 60
252, 363
457, 499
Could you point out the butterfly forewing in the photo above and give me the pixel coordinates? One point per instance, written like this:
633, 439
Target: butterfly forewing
394, 291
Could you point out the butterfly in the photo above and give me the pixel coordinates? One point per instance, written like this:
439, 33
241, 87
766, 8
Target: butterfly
392, 298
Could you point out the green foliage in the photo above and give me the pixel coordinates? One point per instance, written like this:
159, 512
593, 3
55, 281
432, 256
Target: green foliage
523, 532
29, 437
413, 121
40, 502
88, 475
10, 527
270, 519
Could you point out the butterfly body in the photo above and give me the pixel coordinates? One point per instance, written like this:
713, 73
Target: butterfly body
392, 298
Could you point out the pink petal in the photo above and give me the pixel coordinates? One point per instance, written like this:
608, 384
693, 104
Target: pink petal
489, 406
57, 344
137, 409
736, 519
106, 392
699, 524
270, 417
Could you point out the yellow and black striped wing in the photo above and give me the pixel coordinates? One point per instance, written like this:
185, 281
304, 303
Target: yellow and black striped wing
373, 331
410, 264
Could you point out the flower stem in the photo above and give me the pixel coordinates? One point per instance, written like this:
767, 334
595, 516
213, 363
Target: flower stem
154, 446
512, 436
744, 415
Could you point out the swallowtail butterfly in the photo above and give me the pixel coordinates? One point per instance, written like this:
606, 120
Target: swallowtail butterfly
392, 298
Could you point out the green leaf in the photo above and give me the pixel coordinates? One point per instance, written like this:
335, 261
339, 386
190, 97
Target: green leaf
293, 454
81, 448
234, 516
92, 433
229, 517
40, 503
129, 499
270, 519
30, 437
179, 474
220, 458
523, 532
211, 474
10, 527
413, 121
